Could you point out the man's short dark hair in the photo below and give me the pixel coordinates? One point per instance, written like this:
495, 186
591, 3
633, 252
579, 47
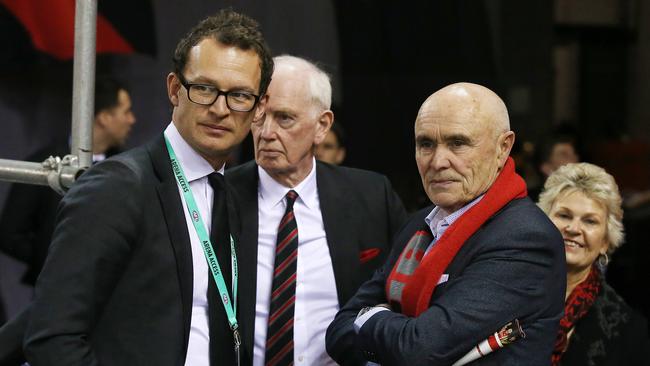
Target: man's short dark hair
106, 93
231, 29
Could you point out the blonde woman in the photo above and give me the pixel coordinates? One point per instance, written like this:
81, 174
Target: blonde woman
598, 328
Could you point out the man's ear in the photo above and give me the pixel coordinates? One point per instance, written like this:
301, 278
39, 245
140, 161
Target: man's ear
324, 124
173, 86
505, 142
102, 118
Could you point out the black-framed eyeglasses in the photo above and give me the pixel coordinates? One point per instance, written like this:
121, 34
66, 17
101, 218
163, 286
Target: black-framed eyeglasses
206, 94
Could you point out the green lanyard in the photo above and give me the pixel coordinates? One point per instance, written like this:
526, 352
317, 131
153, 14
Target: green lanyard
231, 308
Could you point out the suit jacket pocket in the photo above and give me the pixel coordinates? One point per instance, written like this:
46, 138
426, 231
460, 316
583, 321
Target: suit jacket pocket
367, 255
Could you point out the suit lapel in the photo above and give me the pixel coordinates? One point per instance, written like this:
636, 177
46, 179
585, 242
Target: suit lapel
172, 208
244, 180
341, 240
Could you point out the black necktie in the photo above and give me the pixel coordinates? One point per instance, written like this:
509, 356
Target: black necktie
220, 232
220, 334
279, 336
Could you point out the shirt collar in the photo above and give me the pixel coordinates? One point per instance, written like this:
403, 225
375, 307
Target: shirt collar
272, 192
439, 223
98, 157
194, 165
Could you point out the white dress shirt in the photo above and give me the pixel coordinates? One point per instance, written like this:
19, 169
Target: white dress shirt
196, 170
316, 297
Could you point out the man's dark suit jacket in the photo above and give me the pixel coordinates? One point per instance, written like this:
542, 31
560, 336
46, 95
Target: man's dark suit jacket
361, 213
512, 267
116, 288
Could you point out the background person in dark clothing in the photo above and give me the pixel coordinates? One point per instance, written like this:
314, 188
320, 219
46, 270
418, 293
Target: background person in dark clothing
27, 220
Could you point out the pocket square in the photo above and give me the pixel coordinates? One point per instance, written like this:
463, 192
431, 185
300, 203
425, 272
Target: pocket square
368, 254
443, 278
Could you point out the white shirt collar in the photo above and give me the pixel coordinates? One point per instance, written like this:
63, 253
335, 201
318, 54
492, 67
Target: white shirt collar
273, 192
194, 165
98, 157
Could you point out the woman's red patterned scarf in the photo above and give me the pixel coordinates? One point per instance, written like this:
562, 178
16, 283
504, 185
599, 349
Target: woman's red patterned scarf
575, 307
413, 278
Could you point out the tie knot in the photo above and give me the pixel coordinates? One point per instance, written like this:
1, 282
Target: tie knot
216, 180
291, 197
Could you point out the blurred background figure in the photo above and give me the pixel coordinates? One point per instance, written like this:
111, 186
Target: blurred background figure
523, 153
332, 149
561, 147
27, 221
598, 327
558, 151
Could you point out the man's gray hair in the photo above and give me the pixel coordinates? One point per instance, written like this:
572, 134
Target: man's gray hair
320, 87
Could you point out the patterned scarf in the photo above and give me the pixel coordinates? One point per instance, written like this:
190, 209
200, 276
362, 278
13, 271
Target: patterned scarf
411, 282
575, 307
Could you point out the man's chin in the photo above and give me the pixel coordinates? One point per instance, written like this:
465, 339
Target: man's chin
443, 200
269, 164
272, 165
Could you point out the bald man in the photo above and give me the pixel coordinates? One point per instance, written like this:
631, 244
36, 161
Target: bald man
481, 256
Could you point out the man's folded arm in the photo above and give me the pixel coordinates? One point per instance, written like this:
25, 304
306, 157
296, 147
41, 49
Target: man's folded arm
490, 293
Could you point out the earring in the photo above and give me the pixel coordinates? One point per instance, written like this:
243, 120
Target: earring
603, 260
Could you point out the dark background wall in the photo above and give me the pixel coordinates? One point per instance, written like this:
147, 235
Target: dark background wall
576, 61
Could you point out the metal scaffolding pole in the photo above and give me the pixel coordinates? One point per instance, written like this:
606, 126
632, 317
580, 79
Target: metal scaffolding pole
83, 87
59, 173
23, 172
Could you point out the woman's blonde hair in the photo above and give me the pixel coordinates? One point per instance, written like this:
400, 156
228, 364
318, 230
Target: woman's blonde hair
595, 183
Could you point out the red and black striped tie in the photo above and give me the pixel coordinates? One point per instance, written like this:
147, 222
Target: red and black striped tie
279, 335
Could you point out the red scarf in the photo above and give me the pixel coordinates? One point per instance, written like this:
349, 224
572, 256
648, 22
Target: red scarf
575, 307
415, 286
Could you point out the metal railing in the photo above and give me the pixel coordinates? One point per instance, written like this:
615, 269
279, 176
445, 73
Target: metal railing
61, 173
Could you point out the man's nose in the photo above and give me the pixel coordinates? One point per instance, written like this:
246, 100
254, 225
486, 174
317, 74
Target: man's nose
267, 127
220, 106
440, 158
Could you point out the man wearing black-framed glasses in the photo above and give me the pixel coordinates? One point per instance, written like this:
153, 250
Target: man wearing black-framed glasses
206, 94
131, 278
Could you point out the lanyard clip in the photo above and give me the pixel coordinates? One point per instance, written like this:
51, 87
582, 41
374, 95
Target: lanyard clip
237, 337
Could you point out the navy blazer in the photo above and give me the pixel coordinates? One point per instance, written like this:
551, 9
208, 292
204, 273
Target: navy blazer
361, 214
512, 267
117, 284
